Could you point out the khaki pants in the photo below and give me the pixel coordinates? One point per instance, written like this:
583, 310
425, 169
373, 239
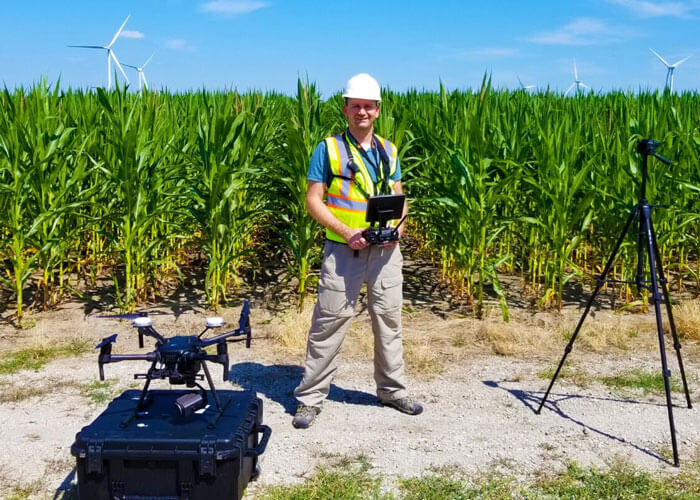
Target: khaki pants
342, 276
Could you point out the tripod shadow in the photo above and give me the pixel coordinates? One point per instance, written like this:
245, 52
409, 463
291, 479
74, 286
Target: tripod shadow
532, 399
277, 382
67, 490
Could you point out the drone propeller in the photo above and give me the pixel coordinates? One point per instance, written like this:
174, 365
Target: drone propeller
131, 316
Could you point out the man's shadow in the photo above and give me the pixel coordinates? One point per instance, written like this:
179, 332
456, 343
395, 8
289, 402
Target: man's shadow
277, 383
67, 490
531, 399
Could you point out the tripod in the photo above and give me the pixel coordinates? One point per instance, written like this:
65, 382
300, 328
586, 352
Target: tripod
646, 244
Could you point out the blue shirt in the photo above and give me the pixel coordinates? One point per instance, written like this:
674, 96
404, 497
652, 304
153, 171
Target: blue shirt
320, 165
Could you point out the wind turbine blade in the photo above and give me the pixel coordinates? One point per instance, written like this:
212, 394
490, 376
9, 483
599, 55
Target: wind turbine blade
130, 66
148, 60
676, 64
584, 85
111, 52
118, 31
662, 59
87, 46
528, 87
569, 89
575, 71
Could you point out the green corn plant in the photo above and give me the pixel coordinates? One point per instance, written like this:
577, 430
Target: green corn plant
224, 211
135, 191
304, 129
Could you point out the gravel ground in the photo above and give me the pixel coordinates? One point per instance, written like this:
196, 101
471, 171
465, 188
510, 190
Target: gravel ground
479, 414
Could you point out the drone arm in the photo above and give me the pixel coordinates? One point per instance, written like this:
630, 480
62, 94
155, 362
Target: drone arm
108, 357
243, 329
150, 332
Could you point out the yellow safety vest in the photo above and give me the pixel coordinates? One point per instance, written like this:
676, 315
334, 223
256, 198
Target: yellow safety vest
351, 182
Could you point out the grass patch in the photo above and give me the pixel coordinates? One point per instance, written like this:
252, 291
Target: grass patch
290, 329
345, 478
100, 391
621, 481
450, 486
17, 393
422, 357
33, 358
687, 319
569, 373
649, 382
351, 480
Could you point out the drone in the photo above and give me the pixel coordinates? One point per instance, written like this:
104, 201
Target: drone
180, 359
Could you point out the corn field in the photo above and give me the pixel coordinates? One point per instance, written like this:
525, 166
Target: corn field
136, 188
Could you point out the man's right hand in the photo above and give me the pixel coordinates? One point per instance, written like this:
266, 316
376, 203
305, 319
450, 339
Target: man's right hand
356, 240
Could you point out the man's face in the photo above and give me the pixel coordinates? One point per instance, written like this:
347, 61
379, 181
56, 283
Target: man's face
361, 113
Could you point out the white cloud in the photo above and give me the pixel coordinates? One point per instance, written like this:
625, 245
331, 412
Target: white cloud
643, 8
233, 8
131, 34
583, 31
178, 44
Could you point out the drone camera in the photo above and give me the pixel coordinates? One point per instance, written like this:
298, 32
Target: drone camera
189, 403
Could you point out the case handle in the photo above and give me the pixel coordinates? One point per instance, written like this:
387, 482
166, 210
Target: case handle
260, 448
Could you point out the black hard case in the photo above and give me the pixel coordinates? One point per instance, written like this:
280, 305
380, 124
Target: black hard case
160, 455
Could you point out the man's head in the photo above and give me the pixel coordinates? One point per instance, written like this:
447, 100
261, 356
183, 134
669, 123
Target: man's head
362, 96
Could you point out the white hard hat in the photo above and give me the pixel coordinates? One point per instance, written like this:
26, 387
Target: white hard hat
362, 86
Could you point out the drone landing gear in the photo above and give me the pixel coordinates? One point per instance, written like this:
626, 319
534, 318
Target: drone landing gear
186, 404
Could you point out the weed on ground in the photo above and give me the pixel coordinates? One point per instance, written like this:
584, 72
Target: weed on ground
33, 358
354, 480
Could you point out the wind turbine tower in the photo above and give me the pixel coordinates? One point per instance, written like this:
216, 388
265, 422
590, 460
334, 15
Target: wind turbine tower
577, 82
110, 54
142, 75
523, 86
670, 67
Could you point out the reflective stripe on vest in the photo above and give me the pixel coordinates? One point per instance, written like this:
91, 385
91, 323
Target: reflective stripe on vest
345, 201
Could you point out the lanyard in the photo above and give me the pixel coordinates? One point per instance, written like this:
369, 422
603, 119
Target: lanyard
383, 171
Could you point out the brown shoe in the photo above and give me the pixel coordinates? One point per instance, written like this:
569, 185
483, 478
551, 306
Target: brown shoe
404, 405
305, 416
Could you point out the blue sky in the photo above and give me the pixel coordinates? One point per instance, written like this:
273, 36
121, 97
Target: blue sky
267, 44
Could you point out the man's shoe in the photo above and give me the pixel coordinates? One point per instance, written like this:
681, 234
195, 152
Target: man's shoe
405, 405
305, 416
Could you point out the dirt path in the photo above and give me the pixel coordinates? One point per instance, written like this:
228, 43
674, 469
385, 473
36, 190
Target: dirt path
478, 407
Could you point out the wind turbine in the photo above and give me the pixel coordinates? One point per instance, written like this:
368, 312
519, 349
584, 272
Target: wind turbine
670, 67
110, 54
522, 86
142, 75
577, 83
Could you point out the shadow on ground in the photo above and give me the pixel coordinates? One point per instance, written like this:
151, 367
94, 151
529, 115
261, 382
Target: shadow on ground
532, 399
277, 383
67, 490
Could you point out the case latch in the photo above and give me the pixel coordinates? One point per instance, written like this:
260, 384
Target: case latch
207, 456
94, 456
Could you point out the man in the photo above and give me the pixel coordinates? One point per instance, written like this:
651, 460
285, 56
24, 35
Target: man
350, 168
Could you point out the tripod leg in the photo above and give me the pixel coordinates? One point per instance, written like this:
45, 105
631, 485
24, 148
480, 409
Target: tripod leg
656, 297
672, 323
641, 235
599, 284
